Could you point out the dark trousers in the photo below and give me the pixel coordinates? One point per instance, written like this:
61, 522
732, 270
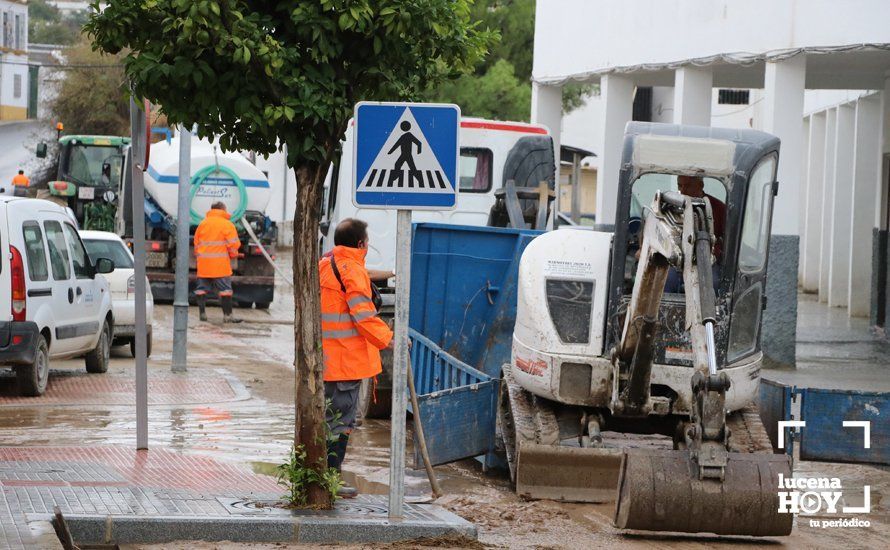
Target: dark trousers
342, 403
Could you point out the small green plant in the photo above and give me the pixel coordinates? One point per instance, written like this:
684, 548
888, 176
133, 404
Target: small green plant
296, 475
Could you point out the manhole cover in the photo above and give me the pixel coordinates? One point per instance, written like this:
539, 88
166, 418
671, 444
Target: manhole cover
352, 507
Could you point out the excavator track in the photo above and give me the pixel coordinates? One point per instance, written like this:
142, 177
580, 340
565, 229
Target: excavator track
523, 419
748, 434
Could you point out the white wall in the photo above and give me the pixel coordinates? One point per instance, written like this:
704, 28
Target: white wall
686, 29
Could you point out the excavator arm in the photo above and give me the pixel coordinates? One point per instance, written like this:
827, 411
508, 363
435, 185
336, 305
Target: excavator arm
701, 481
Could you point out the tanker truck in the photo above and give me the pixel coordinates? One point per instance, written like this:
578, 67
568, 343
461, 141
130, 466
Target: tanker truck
215, 176
95, 180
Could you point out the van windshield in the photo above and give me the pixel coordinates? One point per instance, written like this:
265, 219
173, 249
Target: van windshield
113, 250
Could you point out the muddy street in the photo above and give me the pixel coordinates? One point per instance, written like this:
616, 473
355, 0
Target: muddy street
236, 405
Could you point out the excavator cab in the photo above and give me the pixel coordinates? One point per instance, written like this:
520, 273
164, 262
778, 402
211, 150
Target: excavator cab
740, 191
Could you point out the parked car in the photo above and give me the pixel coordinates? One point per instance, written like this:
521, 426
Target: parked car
122, 282
52, 303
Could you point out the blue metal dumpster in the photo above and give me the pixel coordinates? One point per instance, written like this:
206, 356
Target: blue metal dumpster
463, 307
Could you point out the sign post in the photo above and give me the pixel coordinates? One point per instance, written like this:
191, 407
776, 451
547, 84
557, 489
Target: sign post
139, 151
406, 158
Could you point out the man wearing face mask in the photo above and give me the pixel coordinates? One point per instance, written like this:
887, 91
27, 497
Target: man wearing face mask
352, 333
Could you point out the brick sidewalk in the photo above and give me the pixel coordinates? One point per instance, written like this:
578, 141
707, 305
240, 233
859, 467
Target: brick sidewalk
159, 496
115, 481
163, 389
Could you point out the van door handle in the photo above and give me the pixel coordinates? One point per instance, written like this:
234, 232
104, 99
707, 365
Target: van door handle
70, 295
79, 291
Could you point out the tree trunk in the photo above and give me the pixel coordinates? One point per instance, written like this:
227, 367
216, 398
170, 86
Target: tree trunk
309, 427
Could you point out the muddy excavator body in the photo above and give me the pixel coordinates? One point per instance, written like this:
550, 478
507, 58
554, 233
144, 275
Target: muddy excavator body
636, 352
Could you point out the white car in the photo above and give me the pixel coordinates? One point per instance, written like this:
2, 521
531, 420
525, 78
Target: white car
122, 281
53, 304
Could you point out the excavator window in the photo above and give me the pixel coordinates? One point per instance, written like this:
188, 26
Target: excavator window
755, 227
643, 193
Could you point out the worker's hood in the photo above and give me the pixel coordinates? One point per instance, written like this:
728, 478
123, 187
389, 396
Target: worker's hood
347, 258
217, 213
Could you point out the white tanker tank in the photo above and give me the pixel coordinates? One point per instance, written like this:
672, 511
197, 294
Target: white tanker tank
215, 176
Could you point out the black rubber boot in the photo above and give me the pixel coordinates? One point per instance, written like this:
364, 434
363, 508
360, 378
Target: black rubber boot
337, 452
226, 302
202, 305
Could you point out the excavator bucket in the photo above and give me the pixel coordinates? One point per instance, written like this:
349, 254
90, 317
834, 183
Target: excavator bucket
572, 474
660, 490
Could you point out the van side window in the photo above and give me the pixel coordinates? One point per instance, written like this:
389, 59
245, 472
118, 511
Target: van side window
58, 250
80, 258
36, 251
475, 170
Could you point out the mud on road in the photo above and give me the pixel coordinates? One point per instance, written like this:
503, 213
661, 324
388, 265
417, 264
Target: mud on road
254, 427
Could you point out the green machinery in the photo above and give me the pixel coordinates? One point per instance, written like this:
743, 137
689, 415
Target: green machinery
90, 174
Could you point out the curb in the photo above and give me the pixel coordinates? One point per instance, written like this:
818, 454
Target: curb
301, 529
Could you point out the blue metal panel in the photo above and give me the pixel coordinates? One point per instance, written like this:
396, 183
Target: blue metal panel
773, 407
457, 404
463, 290
826, 438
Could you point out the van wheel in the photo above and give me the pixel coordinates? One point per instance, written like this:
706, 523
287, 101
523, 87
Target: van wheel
97, 359
32, 378
147, 346
263, 305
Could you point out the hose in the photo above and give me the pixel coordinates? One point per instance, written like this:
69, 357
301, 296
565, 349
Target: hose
265, 253
203, 174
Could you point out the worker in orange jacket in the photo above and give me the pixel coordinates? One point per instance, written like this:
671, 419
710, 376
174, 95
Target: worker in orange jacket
352, 334
216, 243
20, 183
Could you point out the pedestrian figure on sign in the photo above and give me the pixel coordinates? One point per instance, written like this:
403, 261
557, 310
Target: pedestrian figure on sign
405, 144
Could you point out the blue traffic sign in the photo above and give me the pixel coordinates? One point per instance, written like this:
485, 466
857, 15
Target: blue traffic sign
406, 156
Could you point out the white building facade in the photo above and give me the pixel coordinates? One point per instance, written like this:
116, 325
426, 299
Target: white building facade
815, 83
14, 87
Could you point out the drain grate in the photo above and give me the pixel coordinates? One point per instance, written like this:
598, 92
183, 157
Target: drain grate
364, 506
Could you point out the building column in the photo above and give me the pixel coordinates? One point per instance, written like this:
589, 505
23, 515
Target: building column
804, 191
547, 110
783, 116
880, 281
692, 96
827, 201
617, 94
866, 179
841, 209
812, 245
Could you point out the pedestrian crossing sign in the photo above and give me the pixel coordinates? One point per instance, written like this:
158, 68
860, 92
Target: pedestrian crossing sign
406, 156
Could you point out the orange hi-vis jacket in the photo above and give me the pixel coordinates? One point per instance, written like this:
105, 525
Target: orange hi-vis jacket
216, 242
352, 334
21, 180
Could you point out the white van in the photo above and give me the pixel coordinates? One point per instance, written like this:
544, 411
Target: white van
491, 153
52, 304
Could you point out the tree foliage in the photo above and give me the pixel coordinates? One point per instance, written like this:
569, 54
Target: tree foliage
48, 25
500, 85
251, 72
92, 97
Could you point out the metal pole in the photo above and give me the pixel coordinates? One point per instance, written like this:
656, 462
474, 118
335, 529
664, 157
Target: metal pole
576, 188
400, 365
181, 284
137, 152
284, 175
